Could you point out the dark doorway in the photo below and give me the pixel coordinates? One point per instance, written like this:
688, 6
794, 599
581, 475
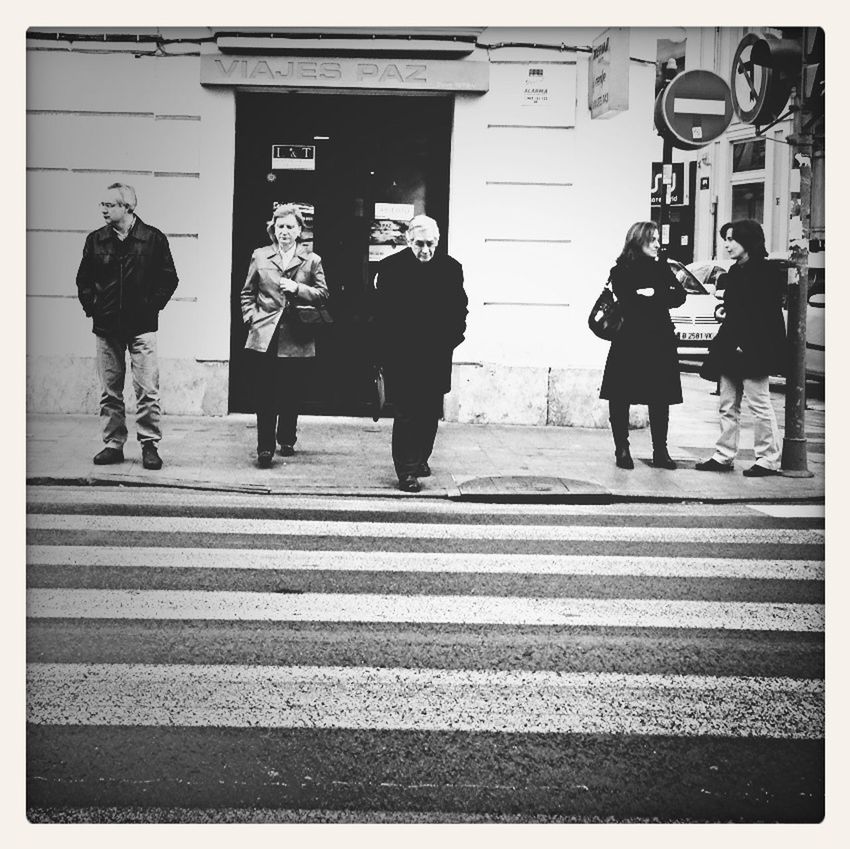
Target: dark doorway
368, 149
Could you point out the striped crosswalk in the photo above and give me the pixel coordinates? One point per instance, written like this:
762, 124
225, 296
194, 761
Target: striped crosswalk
388, 660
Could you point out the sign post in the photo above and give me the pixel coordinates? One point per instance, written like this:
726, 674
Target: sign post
693, 109
772, 69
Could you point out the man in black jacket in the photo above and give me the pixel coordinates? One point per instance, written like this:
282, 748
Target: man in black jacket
125, 278
420, 314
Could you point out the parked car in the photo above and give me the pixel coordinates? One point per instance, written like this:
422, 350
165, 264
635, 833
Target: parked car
699, 318
697, 321
709, 272
815, 341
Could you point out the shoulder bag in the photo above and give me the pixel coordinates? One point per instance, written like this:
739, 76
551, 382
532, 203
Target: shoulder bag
606, 317
308, 314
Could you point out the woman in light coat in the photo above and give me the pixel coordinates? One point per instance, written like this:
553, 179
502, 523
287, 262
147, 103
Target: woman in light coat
643, 365
281, 276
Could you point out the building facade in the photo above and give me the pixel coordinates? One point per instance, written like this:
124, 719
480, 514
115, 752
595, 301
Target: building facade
506, 136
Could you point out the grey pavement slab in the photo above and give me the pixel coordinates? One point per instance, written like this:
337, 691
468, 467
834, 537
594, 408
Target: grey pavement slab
351, 456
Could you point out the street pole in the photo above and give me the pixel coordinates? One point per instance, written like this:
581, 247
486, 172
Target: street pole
666, 184
794, 454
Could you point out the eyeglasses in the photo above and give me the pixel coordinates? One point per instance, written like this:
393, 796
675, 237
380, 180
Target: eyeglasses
421, 243
105, 205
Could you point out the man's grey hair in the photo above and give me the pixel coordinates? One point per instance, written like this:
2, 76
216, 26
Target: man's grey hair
128, 195
424, 222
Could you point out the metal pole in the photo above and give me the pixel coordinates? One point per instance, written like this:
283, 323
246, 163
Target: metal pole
666, 184
794, 456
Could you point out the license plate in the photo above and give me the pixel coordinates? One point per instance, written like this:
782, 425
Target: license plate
696, 335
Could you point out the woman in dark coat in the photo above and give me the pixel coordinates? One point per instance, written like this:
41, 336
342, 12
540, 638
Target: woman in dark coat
642, 365
748, 348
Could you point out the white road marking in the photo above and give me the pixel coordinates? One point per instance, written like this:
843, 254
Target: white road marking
438, 562
790, 511
422, 699
511, 610
404, 530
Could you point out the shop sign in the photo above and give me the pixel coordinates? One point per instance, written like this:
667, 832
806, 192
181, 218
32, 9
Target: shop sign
345, 72
608, 75
676, 186
293, 157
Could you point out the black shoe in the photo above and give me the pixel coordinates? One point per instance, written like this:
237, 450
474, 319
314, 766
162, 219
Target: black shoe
109, 456
623, 458
424, 471
713, 466
287, 450
264, 459
150, 456
662, 460
759, 472
409, 483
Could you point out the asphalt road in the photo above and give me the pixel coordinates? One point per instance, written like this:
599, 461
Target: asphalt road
202, 657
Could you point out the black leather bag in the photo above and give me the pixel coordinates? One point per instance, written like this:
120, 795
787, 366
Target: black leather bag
310, 315
606, 317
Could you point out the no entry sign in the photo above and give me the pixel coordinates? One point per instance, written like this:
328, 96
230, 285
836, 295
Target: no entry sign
694, 109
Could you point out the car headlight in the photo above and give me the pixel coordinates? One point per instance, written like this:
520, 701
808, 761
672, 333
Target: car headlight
720, 312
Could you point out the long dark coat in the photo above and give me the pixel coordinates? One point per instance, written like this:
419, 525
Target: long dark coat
420, 318
753, 323
642, 365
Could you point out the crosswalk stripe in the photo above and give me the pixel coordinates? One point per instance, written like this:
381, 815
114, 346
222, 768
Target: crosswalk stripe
322, 607
422, 699
449, 562
791, 511
379, 530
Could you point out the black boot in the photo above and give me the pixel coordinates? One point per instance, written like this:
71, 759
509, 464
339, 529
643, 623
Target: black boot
659, 419
623, 457
618, 415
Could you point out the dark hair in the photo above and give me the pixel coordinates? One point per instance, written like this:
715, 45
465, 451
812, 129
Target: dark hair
638, 235
748, 234
281, 211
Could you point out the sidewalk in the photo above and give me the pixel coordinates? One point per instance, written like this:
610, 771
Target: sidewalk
351, 456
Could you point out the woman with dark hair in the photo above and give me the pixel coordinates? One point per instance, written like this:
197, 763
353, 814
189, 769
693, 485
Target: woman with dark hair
748, 348
642, 365
281, 275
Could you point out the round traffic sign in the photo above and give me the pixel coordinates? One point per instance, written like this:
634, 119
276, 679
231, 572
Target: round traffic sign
758, 94
694, 109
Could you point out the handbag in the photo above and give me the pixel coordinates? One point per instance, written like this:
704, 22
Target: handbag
606, 317
379, 396
308, 314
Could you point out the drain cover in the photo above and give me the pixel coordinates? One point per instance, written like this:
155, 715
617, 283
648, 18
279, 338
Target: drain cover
527, 488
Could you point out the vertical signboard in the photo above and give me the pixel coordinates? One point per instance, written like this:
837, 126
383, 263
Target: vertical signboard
608, 76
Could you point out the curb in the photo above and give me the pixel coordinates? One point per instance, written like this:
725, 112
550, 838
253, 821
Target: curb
589, 494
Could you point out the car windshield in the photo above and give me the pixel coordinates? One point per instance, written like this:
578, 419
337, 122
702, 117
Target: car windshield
690, 283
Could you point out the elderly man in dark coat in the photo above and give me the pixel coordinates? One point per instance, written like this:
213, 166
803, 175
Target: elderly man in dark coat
420, 314
748, 348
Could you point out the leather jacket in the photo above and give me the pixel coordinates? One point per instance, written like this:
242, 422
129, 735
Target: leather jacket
122, 286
